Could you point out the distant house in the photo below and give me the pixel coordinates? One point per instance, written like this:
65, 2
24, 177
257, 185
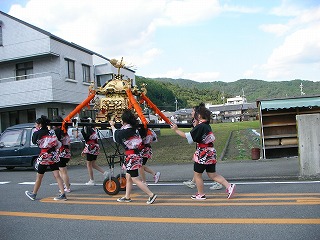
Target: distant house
42, 74
170, 115
183, 115
234, 112
236, 109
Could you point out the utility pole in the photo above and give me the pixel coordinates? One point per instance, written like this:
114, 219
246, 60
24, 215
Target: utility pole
176, 102
301, 89
223, 97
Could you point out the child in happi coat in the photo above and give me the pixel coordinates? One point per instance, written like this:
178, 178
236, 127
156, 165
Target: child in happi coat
48, 142
205, 155
91, 150
129, 137
148, 136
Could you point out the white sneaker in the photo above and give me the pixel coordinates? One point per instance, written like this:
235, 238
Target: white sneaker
216, 186
231, 189
90, 183
190, 184
66, 190
157, 177
152, 199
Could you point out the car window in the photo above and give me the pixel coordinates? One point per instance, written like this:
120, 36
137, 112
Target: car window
75, 134
11, 138
32, 131
104, 133
24, 138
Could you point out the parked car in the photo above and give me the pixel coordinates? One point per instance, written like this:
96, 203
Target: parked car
76, 135
16, 147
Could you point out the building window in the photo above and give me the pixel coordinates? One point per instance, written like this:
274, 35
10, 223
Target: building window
86, 73
53, 113
88, 113
102, 80
24, 70
31, 115
13, 118
71, 69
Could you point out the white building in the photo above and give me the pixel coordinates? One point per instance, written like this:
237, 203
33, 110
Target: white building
236, 100
42, 74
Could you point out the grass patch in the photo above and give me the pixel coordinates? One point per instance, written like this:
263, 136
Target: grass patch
173, 149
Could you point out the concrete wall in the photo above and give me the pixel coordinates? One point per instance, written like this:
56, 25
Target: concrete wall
309, 144
71, 90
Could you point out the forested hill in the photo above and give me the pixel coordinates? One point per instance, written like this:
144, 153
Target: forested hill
163, 91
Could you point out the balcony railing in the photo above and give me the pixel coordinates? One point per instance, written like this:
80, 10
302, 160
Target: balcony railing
53, 75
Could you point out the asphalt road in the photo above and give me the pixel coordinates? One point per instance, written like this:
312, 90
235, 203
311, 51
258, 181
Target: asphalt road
261, 209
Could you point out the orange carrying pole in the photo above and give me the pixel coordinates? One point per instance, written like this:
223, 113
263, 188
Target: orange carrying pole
137, 107
86, 102
154, 107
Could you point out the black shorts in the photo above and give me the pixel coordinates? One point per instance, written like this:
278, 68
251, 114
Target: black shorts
43, 168
199, 168
91, 157
63, 162
133, 173
144, 160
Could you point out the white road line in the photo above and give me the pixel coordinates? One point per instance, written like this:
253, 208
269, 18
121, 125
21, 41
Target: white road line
293, 182
80, 184
27, 183
208, 184
181, 184
4, 182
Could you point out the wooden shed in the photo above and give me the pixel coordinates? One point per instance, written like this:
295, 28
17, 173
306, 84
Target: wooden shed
278, 124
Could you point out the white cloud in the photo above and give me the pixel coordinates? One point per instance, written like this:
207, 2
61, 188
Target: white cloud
248, 74
143, 59
300, 49
287, 8
240, 9
278, 29
104, 26
302, 18
188, 11
114, 27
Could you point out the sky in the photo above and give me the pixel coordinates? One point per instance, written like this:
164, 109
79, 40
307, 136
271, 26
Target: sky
200, 40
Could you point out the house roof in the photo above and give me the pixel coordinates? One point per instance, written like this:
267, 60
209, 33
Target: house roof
58, 38
184, 111
232, 107
49, 34
281, 103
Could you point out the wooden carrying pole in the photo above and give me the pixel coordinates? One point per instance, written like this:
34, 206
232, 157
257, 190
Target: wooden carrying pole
154, 107
137, 107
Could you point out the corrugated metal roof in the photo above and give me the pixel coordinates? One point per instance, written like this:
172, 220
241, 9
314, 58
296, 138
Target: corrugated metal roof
290, 103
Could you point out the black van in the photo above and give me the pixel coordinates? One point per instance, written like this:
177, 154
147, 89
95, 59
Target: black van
16, 147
